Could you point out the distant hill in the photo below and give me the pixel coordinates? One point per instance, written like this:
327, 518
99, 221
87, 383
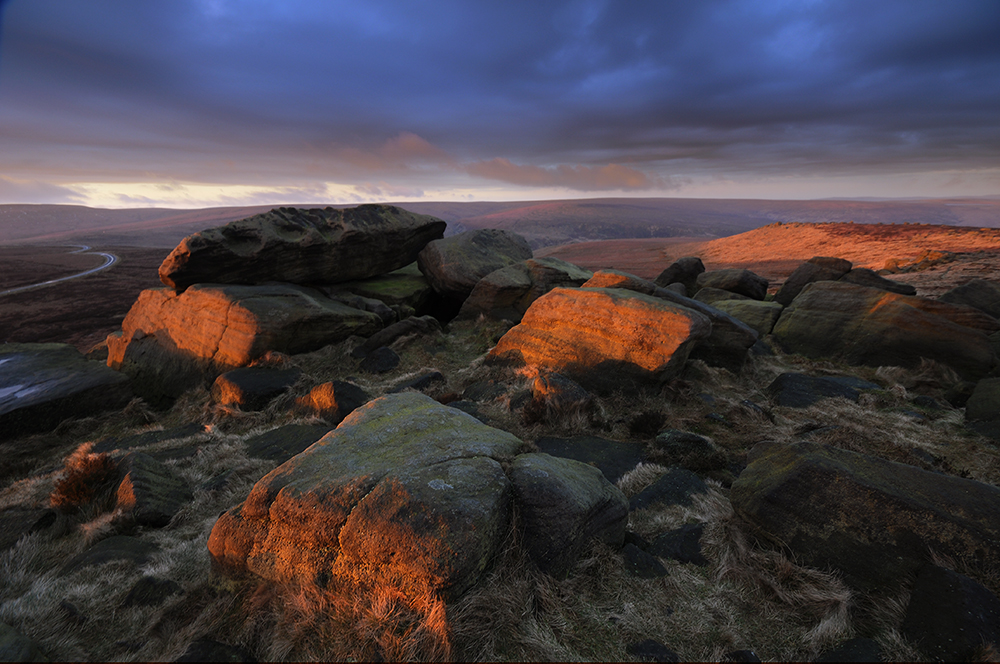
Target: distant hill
543, 223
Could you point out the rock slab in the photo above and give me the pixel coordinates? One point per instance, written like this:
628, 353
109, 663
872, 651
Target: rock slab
875, 520
314, 246
403, 487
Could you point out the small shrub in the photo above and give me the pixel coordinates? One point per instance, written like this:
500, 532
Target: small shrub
86, 476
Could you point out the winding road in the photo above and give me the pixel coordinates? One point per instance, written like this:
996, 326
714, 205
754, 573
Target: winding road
109, 260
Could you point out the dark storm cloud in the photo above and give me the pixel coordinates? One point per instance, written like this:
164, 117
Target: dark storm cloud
580, 94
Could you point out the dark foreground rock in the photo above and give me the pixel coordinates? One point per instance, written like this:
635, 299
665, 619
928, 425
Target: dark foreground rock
604, 338
869, 326
150, 492
454, 265
743, 282
817, 268
15, 647
404, 486
252, 388
43, 384
505, 294
300, 246
795, 390
874, 520
979, 293
611, 457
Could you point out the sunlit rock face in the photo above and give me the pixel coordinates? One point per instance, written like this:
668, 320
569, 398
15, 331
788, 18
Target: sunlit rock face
43, 384
169, 342
316, 246
454, 265
869, 326
604, 338
404, 487
876, 521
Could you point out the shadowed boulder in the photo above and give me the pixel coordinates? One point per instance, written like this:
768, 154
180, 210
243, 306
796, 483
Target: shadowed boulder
875, 520
556, 398
817, 268
118, 547
286, 441
405, 286
683, 271
756, 314
404, 487
743, 282
978, 293
869, 326
604, 338
252, 388
454, 265
505, 294
332, 401
170, 343
710, 296
16, 647
385, 337
862, 276
564, 505
795, 390
150, 492
315, 246
611, 457
43, 384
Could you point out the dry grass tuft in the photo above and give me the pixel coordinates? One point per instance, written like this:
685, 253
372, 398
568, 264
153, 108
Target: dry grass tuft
87, 477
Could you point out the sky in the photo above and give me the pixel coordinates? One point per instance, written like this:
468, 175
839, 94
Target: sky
196, 103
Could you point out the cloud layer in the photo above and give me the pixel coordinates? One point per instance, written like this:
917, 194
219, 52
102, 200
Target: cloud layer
498, 98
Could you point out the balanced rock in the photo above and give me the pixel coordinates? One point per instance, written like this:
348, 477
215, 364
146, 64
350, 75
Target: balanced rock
564, 505
317, 246
604, 338
404, 487
505, 294
43, 384
736, 280
726, 345
983, 295
817, 268
682, 271
862, 276
454, 265
170, 343
874, 520
869, 326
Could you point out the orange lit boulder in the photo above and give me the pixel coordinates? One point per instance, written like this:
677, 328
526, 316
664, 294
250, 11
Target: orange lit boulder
170, 343
314, 246
454, 265
505, 294
404, 488
869, 326
604, 338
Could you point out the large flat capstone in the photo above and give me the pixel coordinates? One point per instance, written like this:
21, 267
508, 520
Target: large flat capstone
403, 487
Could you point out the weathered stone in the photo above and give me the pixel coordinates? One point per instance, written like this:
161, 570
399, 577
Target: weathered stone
683, 271
950, 616
421, 382
332, 401
252, 388
726, 345
757, 314
380, 360
564, 505
682, 544
406, 286
874, 520
817, 268
555, 397
604, 338
735, 280
316, 246
170, 343
150, 492
16, 647
675, 487
687, 450
869, 326
640, 564
377, 307
505, 294
795, 390
118, 547
150, 591
454, 265
403, 486
611, 457
411, 325
983, 295
862, 276
43, 384
286, 441
710, 296
984, 404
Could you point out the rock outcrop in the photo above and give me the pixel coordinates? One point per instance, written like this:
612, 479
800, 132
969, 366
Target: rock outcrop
404, 486
874, 520
317, 246
869, 326
978, 293
454, 265
505, 294
43, 384
564, 505
170, 343
604, 338
683, 271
